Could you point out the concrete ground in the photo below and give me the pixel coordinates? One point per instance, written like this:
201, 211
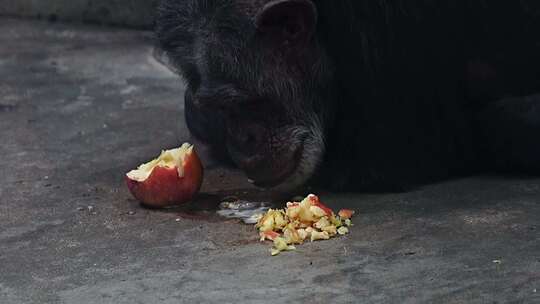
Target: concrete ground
80, 106
132, 13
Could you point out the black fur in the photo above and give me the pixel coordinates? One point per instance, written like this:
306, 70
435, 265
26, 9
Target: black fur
406, 92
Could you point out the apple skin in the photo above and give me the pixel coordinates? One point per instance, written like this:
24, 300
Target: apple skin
164, 188
346, 213
315, 201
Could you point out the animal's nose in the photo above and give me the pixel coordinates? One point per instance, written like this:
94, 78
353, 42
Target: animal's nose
246, 138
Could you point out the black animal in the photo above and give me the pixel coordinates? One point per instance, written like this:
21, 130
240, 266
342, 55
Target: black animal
369, 94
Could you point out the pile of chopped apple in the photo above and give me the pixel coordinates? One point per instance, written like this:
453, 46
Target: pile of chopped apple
301, 221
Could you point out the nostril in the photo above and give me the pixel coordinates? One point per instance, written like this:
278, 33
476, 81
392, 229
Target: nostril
245, 140
241, 137
251, 139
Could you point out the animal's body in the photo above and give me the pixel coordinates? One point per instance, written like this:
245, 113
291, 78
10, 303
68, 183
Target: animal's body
374, 95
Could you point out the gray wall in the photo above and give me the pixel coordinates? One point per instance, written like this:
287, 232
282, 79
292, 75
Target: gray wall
132, 13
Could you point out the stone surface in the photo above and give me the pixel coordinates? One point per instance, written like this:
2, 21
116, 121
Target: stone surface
133, 13
80, 106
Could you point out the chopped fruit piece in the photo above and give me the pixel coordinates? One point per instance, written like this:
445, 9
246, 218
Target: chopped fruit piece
279, 219
281, 245
172, 178
332, 230
268, 235
336, 221
303, 234
304, 214
316, 202
343, 230
323, 222
292, 204
316, 235
308, 210
317, 211
291, 236
272, 220
346, 213
293, 212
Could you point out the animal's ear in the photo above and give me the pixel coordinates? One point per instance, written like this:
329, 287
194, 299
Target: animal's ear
287, 21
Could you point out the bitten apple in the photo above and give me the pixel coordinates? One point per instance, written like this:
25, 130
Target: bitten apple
171, 179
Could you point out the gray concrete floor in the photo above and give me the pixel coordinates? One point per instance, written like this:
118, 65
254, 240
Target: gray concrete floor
132, 13
80, 106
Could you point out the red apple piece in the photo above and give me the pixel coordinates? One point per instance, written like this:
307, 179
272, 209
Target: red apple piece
315, 201
269, 235
346, 213
173, 178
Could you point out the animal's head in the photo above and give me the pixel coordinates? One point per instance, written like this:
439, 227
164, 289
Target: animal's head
258, 82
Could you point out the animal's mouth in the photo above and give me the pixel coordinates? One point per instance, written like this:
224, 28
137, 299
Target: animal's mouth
291, 170
280, 177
